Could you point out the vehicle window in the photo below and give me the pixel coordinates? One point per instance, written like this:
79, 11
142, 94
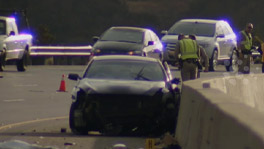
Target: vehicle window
228, 27
2, 27
10, 27
147, 38
123, 35
125, 70
187, 28
154, 37
226, 30
219, 30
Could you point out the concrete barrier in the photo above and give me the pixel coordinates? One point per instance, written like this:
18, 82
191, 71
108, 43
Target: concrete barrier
222, 113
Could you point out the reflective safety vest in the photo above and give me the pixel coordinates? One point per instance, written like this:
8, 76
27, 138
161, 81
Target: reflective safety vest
248, 42
188, 48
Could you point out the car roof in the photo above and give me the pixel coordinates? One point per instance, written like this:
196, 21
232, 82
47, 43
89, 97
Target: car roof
125, 57
129, 28
201, 20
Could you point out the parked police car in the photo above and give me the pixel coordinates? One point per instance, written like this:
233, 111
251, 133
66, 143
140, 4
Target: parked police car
13, 46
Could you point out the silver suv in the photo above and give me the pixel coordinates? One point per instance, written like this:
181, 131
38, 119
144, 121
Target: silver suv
216, 36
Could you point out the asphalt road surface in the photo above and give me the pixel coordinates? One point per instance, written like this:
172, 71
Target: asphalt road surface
32, 110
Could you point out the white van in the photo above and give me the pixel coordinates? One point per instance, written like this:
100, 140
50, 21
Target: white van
216, 36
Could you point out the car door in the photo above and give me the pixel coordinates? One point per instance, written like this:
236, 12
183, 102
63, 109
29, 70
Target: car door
230, 39
148, 47
156, 50
221, 40
11, 42
157, 43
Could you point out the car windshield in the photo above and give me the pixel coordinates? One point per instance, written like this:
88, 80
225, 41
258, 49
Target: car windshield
188, 28
2, 27
125, 70
123, 35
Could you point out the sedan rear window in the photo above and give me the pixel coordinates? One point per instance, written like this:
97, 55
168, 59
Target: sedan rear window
196, 28
123, 36
125, 70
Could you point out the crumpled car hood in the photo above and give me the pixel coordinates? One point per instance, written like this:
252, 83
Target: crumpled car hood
96, 86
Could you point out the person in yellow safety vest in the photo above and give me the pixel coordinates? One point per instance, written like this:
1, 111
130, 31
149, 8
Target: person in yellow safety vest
188, 50
244, 46
203, 60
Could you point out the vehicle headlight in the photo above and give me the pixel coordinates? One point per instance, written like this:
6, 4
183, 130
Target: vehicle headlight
74, 92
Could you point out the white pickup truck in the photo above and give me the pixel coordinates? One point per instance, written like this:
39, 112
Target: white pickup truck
13, 46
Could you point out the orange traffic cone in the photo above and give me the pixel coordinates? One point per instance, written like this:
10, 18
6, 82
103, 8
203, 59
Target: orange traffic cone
62, 85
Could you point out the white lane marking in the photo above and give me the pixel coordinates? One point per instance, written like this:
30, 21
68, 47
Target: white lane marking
13, 100
32, 121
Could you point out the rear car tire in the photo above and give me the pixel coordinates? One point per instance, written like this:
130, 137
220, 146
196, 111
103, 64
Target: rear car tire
72, 120
2, 61
213, 61
231, 64
22, 63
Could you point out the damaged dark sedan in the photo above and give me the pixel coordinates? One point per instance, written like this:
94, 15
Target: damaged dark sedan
124, 94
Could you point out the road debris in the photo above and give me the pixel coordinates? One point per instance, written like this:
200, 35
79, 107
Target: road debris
69, 143
63, 130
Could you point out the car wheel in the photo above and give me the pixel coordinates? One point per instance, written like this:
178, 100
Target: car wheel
2, 61
73, 120
213, 61
22, 63
231, 64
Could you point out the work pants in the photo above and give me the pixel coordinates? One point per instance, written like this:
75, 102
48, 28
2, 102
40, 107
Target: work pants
244, 64
189, 71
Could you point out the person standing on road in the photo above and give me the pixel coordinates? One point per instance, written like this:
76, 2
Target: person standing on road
188, 49
203, 58
244, 46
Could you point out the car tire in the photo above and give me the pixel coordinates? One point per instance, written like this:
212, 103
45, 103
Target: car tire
213, 61
76, 130
231, 64
2, 61
22, 63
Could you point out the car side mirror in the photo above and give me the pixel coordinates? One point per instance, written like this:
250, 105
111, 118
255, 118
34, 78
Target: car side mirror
150, 43
220, 36
176, 81
95, 38
12, 33
73, 76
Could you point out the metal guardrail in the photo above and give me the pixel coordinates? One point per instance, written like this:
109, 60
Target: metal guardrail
60, 50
